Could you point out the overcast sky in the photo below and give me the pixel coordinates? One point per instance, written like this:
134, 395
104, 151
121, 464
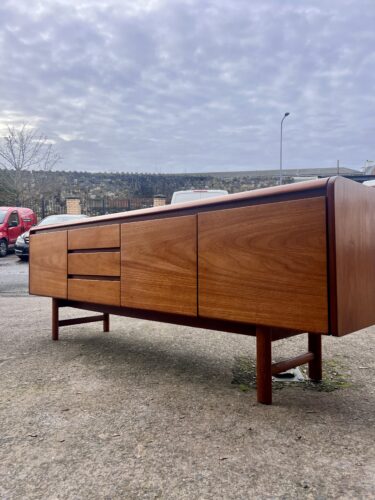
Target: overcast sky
192, 85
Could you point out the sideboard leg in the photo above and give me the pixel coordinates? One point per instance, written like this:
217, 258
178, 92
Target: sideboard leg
55, 319
315, 366
264, 365
106, 322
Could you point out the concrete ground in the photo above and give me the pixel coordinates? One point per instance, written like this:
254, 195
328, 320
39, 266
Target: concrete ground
149, 411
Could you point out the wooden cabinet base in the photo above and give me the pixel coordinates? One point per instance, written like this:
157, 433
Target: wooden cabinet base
264, 338
265, 367
295, 258
56, 322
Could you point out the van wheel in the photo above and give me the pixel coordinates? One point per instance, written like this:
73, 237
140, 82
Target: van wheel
3, 248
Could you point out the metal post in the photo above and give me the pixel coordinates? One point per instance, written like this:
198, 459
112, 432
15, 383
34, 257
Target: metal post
281, 148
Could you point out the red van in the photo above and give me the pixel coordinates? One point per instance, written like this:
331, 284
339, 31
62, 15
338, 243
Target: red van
13, 222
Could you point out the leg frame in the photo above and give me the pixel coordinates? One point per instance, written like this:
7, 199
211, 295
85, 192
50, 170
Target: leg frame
56, 323
265, 368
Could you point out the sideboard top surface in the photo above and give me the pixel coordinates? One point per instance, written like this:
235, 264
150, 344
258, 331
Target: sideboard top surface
305, 189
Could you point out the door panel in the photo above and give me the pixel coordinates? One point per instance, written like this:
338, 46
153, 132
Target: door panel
14, 232
159, 265
48, 264
265, 264
353, 217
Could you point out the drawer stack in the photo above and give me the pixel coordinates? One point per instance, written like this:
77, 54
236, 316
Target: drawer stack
94, 264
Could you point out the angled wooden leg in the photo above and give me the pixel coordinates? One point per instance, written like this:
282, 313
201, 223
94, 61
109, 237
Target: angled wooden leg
55, 319
105, 322
264, 365
315, 365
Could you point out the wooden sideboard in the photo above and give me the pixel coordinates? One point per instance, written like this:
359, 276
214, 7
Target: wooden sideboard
273, 263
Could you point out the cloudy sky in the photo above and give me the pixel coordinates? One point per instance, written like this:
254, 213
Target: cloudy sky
192, 85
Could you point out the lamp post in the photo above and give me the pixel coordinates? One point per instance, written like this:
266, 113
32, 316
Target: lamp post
281, 148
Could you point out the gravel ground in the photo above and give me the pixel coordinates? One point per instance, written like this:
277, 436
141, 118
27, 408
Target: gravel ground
149, 411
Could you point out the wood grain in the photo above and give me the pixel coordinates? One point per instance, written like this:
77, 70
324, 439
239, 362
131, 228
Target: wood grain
98, 263
315, 365
48, 264
94, 237
95, 291
264, 365
159, 265
55, 319
265, 265
354, 240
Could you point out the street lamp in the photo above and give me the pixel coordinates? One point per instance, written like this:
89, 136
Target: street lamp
281, 148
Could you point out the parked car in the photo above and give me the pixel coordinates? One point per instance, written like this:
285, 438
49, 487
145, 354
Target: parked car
22, 244
196, 194
369, 183
13, 222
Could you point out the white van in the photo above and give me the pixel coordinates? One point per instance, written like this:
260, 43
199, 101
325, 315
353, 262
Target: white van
196, 194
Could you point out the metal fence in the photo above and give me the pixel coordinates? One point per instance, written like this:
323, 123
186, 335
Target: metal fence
90, 207
110, 206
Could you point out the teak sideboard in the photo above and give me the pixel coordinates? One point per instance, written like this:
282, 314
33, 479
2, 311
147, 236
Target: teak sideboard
272, 263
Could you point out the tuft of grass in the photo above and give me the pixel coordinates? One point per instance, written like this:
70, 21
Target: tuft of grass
335, 376
244, 372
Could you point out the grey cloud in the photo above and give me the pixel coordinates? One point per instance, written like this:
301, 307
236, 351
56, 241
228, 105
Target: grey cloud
191, 85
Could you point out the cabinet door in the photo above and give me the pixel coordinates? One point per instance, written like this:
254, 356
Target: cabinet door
159, 265
48, 264
265, 264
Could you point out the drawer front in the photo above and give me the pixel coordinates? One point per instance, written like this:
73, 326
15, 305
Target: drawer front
95, 291
94, 237
98, 264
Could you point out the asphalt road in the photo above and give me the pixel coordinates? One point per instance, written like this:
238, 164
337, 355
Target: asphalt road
149, 411
14, 276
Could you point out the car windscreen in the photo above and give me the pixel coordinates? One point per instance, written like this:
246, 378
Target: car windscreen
58, 219
195, 195
2, 216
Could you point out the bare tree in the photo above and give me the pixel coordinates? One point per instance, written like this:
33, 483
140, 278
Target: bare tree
25, 149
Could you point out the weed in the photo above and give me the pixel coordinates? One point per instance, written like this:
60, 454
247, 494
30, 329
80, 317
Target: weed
335, 377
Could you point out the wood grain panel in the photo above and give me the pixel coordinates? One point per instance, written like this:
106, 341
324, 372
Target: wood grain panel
265, 265
98, 263
48, 264
354, 247
159, 265
95, 291
94, 237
